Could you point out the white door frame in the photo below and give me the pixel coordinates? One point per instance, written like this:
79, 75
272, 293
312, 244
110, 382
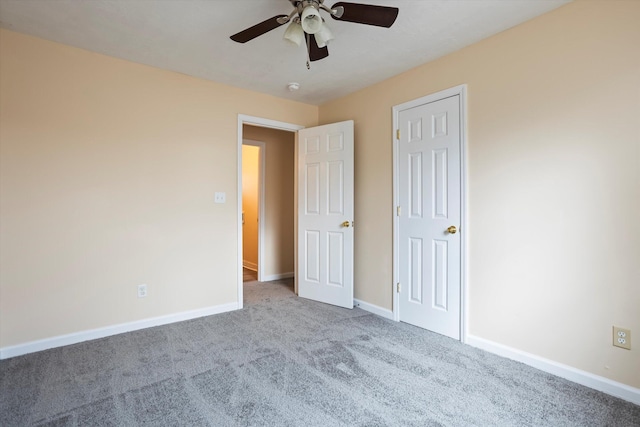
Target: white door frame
460, 90
261, 201
265, 123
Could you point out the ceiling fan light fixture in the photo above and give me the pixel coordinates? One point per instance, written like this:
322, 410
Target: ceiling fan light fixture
294, 33
324, 36
311, 20
338, 11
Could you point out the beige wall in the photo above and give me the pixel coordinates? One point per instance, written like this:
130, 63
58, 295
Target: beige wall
279, 210
554, 183
250, 182
108, 173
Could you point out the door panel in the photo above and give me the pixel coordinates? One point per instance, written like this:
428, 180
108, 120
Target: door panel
325, 213
312, 258
415, 270
336, 259
429, 192
439, 266
415, 185
336, 188
312, 195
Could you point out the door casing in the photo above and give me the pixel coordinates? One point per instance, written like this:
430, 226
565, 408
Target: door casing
265, 123
460, 90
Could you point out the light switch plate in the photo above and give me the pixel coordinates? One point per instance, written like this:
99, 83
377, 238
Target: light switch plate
220, 197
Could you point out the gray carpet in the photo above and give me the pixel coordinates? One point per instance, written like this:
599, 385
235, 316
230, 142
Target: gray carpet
286, 361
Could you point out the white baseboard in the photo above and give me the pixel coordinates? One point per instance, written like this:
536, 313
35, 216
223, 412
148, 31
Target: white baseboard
92, 334
584, 378
279, 276
250, 265
382, 312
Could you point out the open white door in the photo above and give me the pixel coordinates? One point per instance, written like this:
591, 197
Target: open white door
325, 214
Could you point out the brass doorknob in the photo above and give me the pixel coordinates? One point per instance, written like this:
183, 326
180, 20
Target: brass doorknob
452, 229
345, 224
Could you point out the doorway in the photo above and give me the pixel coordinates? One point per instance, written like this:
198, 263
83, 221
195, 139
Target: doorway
276, 216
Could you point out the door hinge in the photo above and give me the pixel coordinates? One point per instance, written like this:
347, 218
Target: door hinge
398, 210
397, 133
398, 287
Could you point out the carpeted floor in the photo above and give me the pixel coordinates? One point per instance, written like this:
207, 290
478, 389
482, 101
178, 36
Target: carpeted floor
286, 361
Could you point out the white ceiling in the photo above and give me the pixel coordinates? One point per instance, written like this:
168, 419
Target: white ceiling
192, 37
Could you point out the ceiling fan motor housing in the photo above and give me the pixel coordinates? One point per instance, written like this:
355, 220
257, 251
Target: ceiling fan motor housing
300, 5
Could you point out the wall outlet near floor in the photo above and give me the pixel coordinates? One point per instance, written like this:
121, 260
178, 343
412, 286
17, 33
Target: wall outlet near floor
220, 197
622, 337
142, 291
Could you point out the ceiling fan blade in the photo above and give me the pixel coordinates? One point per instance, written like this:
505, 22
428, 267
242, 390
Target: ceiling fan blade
380, 16
315, 53
257, 30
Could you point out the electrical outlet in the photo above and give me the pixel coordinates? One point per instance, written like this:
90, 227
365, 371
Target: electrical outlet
622, 337
142, 291
220, 197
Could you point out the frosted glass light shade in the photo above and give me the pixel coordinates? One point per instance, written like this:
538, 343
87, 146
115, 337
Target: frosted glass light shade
311, 20
294, 33
324, 36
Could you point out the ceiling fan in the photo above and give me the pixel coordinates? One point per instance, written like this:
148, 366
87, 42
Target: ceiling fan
305, 22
